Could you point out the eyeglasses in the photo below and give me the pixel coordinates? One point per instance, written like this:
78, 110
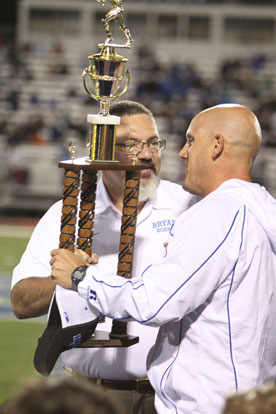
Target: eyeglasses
134, 147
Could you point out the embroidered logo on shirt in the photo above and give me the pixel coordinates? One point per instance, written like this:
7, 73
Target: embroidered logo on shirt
163, 225
76, 341
92, 294
66, 316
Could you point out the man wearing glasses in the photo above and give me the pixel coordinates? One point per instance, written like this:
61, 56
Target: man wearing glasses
123, 370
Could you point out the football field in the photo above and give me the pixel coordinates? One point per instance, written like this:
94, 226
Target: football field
18, 338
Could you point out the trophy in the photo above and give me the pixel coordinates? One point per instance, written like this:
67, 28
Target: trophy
105, 79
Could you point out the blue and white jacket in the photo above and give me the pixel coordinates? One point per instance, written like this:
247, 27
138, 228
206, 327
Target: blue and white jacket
213, 295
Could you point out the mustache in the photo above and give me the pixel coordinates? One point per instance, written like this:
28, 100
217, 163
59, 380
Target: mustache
148, 165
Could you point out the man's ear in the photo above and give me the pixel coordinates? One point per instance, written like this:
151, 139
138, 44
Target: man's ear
218, 146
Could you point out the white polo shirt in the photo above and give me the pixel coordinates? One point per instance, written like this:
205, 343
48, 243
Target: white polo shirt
214, 296
153, 225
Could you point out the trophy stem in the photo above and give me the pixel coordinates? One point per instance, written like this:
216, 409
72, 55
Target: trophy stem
119, 330
102, 140
104, 108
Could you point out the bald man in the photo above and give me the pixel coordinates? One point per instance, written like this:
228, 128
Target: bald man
222, 143
214, 292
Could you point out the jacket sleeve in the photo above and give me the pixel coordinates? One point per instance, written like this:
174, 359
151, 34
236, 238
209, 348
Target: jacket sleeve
201, 255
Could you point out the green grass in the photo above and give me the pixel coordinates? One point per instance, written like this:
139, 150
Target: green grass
17, 347
11, 249
18, 338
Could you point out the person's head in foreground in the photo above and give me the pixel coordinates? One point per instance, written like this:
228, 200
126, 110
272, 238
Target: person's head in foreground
63, 395
256, 401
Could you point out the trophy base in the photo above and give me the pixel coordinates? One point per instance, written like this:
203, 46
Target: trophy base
101, 339
83, 164
101, 161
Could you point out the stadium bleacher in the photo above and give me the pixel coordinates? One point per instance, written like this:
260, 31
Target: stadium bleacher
43, 105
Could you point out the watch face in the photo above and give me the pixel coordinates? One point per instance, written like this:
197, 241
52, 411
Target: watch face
78, 274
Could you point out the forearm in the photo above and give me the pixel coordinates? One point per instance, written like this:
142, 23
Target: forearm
31, 297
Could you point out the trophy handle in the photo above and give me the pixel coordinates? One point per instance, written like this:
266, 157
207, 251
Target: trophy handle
84, 74
127, 74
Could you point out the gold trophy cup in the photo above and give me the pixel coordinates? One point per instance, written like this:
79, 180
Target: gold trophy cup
106, 74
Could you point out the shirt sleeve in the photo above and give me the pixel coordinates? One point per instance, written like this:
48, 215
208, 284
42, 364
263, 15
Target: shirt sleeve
35, 261
202, 253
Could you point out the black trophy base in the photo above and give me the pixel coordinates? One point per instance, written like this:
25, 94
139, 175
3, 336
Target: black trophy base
102, 339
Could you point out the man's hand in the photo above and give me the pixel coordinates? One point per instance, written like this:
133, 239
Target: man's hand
63, 263
88, 259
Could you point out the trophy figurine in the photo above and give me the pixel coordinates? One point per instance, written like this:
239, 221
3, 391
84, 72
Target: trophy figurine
116, 14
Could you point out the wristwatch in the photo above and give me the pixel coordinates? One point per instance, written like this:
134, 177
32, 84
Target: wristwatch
78, 275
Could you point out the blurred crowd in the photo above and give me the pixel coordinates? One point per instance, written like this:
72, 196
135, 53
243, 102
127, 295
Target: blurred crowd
174, 92
168, 90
